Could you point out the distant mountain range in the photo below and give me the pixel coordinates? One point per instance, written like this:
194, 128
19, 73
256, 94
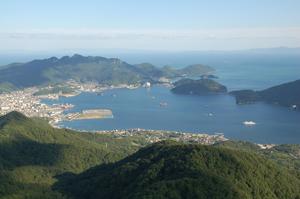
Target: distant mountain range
110, 71
38, 161
287, 94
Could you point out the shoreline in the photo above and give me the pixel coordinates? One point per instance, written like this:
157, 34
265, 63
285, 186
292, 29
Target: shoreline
88, 88
153, 136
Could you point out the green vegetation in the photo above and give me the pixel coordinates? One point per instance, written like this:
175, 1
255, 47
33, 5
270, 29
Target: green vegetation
287, 155
195, 70
285, 94
198, 87
6, 87
32, 153
85, 69
38, 161
176, 170
55, 90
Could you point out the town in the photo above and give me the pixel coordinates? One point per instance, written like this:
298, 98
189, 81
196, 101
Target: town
30, 105
29, 101
153, 136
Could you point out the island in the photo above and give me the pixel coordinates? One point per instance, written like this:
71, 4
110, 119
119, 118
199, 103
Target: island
287, 94
198, 87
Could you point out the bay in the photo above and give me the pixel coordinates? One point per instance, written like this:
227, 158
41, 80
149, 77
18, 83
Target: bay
140, 108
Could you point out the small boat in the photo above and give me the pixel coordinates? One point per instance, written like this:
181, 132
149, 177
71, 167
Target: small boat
163, 104
249, 123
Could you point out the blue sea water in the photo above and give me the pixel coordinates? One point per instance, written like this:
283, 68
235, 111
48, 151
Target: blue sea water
140, 108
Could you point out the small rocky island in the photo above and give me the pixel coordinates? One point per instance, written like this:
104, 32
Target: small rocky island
287, 94
198, 87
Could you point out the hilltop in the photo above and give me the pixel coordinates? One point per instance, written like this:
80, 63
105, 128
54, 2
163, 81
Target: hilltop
176, 170
111, 71
287, 94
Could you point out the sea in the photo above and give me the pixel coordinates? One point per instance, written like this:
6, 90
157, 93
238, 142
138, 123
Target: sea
141, 108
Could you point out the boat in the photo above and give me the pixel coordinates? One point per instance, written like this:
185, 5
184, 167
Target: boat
249, 123
163, 104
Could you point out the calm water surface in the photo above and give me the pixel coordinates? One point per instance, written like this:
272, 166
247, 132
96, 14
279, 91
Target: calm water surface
140, 108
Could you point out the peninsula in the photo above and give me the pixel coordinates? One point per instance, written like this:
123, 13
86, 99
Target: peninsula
287, 94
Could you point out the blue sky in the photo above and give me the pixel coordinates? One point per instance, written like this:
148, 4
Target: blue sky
156, 25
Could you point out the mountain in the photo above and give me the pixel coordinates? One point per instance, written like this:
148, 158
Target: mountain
151, 70
287, 94
175, 170
86, 69
198, 87
38, 161
6, 87
287, 155
32, 153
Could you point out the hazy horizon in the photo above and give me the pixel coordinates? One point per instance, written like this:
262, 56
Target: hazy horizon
159, 26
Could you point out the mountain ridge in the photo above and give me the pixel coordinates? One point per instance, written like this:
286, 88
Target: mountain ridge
103, 70
174, 170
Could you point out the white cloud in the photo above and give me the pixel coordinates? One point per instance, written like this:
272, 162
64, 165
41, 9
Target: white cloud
201, 39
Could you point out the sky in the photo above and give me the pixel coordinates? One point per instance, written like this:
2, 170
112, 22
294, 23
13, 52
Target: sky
167, 25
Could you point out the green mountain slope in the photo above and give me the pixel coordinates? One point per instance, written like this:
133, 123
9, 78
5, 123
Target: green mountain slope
287, 94
32, 153
287, 155
174, 170
81, 68
38, 161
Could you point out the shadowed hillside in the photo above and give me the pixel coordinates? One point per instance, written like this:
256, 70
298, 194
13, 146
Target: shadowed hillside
174, 170
32, 153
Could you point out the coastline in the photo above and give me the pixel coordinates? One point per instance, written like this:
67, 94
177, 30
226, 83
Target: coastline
153, 136
89, 88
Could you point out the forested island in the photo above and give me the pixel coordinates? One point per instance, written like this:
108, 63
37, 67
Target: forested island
202, 86
287, 94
